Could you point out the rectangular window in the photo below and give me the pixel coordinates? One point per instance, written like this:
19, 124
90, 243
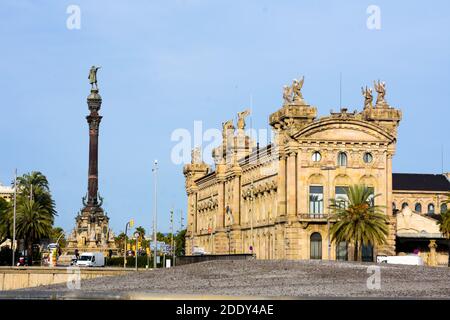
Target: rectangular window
316, 200
341, 196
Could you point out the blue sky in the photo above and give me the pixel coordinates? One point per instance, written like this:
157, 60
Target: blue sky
166, 64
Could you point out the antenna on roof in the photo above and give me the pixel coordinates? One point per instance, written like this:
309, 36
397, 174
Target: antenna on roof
442, 158
340, 90
251, 117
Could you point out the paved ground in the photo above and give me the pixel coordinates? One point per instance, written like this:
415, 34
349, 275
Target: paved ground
257, 278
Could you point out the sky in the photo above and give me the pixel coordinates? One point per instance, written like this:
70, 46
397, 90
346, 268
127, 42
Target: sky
166, 64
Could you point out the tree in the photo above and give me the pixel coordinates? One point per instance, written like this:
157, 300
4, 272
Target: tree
33, 223
180, 242
35, 209
36, 186
141, 231
444, 227
119, 240
359, 220
58, 233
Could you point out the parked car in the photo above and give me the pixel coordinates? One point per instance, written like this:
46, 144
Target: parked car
412, 259
91, 259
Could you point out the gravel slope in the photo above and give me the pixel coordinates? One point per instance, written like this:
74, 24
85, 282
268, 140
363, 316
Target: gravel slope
301, 279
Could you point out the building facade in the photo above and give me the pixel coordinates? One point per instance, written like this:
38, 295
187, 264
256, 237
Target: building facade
6, 192
273, 201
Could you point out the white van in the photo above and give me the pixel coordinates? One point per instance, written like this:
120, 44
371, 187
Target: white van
91, 259
413, 260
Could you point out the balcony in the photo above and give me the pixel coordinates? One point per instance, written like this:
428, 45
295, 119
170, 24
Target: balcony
313, 217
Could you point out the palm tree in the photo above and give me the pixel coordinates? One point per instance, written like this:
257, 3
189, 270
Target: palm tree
444, 227
35, 185
141, 231
359, 221
35, 209
33, 223
119, 240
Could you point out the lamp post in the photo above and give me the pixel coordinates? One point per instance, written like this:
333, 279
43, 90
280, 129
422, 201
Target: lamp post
171, 237
129, 224
328, 169
13, 244
155, 170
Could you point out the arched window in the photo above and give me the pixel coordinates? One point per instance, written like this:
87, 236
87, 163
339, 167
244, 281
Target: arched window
404, 205
394, 206
316, 246
342, 159
316, 156
443, 208
431, 208
418, 208
341, 251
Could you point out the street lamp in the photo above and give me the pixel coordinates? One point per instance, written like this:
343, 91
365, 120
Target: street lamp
328, 169
136, 235
13, 244
129, 224
155, 170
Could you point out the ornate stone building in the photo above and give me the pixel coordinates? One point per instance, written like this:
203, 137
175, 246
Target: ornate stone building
6, 192
273, 201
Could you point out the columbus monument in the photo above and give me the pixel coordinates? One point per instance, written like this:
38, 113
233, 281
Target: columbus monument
92, 232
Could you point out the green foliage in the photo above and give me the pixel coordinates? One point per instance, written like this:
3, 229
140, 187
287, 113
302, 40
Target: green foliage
360, 221
5, 220
5, 257
58, 233
141, 231
444, 222
35, 211
180, 242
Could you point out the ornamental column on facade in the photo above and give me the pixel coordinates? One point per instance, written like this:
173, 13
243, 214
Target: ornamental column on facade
388, 118
295, 114
192, 172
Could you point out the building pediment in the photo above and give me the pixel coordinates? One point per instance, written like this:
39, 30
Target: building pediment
343, 130
414, 225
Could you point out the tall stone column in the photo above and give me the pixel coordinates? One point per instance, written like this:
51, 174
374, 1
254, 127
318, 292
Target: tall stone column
94, 101
236, 234
220, 237
389, 247
281, 206
291, 182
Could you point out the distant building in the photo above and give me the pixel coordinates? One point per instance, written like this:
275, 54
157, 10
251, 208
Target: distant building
273, 201
6, 192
